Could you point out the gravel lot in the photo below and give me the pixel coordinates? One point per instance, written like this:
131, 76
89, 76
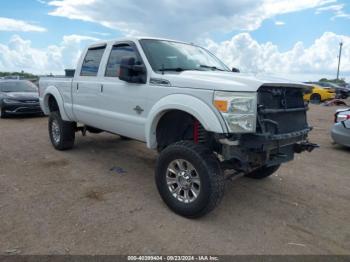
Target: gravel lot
71, 202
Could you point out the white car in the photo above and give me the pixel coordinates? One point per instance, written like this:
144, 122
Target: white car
184, 102
341, 129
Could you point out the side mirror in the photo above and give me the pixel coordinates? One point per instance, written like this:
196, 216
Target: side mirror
130, 72
235, 70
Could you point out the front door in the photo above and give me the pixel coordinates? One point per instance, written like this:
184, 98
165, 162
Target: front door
123, 105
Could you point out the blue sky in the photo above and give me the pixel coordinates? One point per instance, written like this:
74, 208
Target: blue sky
243, 33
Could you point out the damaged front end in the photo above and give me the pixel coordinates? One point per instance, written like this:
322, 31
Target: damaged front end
281, 131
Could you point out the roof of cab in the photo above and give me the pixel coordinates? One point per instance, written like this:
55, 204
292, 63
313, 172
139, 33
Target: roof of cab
134, 39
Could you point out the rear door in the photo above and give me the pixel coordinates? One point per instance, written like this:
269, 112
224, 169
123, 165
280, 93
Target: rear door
124, 105
86, 87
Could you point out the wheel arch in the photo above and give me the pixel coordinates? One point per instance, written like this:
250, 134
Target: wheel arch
207, 117
52, 93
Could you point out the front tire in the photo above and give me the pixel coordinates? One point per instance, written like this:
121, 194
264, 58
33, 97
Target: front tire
62, 133
2, 113
189, 179
263, 172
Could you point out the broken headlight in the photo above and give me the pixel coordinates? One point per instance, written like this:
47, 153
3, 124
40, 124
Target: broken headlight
238, 109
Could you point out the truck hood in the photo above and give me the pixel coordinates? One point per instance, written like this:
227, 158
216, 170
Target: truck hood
226, 81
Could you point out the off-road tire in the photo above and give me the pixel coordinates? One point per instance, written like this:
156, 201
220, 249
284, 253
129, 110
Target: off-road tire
315, 99
263, 172
66, 130
208, 169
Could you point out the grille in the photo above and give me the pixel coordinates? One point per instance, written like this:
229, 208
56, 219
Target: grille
281, 110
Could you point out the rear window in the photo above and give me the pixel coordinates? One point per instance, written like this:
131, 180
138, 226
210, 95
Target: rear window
92, 61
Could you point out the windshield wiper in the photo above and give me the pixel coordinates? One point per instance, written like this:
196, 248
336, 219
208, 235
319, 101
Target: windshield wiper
212, 67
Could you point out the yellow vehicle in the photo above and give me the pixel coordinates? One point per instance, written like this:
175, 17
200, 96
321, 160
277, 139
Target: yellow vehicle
318, 94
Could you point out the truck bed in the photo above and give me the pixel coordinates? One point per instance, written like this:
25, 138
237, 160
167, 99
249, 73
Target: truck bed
63, 85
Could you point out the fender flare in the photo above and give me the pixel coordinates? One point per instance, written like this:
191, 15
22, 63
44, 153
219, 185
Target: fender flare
53, 91
209, 119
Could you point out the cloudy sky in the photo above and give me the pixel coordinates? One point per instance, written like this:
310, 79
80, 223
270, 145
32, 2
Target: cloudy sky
298, 39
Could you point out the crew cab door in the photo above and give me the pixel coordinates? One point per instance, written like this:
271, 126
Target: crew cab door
86, 87
123, 105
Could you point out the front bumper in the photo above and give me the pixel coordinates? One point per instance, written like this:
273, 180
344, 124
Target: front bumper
22, 108
255, 150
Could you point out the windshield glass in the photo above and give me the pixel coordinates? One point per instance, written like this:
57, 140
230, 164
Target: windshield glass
17, 86
173, 56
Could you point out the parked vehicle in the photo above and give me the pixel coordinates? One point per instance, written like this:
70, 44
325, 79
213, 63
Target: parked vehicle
18, 97
183, 101
341, 129
341, 92
317, 94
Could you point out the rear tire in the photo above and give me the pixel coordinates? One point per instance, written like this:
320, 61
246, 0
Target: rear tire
62, 133
263, 172
315, 99
189, 179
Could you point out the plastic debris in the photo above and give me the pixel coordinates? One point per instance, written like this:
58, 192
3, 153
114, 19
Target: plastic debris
118, 170
335, 102
296, 244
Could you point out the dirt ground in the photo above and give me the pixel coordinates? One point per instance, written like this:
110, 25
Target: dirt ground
100, 198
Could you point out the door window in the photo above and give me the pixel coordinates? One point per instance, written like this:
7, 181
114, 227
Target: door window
92, 61
118, 52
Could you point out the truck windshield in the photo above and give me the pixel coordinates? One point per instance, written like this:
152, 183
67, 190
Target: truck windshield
174, 56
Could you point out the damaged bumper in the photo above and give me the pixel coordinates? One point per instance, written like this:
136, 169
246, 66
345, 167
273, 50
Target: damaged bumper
252, 151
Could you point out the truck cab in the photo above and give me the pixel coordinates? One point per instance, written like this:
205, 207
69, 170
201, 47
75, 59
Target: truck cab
181, 100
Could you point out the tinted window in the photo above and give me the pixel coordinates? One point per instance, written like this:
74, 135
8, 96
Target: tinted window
17, 86
117, 53
92, 61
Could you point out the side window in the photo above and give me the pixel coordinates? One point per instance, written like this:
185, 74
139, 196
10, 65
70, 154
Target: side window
117, 53
92, 61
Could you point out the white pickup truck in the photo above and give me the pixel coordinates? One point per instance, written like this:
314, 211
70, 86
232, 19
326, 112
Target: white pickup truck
184, 102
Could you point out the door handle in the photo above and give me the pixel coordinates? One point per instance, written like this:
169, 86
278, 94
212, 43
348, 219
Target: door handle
101, 88
77, 86
138, 109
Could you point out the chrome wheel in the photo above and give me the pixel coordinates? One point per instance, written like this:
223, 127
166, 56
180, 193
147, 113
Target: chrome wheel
183, 181
56, 132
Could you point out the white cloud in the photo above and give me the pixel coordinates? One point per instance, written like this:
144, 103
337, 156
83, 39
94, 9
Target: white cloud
78, 38
188, 20
337, 9
300, 62
320, 58
100, 33
19, 55
279, 23
8, 24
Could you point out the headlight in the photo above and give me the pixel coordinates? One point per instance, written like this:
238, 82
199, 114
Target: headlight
11, 101
238, 110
